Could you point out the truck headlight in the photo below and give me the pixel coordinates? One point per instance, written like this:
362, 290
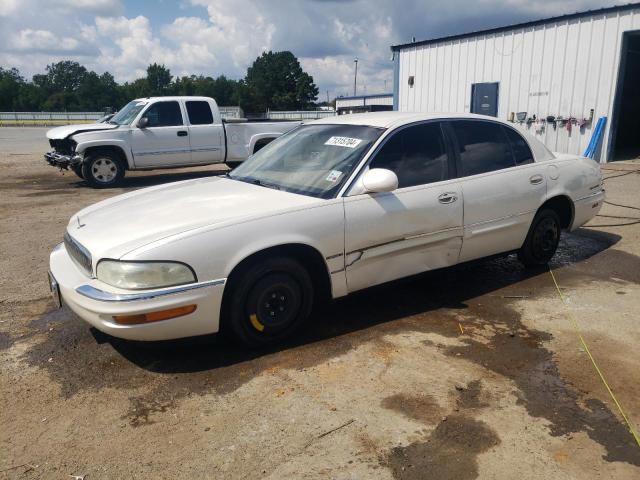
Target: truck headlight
141, 275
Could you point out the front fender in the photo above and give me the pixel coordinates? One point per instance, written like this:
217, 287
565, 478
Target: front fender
82, 147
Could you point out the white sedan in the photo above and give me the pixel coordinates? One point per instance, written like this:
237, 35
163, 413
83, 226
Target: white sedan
334, 206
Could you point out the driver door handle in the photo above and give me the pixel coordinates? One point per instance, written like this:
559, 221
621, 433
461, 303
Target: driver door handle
448, 197
182, 133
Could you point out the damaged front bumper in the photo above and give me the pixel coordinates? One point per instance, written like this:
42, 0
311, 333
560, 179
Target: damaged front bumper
59, 160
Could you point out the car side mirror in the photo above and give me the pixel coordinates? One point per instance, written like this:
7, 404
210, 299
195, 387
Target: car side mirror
379, 180
143, 122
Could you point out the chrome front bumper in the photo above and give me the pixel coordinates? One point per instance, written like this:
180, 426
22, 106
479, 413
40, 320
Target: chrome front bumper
59, 160
97, 303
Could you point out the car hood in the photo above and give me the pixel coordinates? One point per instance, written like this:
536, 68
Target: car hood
60, 133
114, 227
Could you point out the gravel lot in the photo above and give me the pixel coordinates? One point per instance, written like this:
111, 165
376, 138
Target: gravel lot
471, 372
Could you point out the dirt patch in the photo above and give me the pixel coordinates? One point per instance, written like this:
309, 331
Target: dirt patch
448, 453
469, 396
5, 340
141, 410
423, 408
523, 358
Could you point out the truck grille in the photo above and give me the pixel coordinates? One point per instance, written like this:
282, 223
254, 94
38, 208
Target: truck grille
78, 253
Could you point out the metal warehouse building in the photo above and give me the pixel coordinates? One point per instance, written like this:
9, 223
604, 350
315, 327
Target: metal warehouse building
364, 103
554, 77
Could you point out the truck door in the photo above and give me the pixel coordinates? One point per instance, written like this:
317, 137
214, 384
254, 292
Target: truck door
165, 139
205, 132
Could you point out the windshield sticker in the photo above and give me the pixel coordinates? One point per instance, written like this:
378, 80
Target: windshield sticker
333, 176
344, 142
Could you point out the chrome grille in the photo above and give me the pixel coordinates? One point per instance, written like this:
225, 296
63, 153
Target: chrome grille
78, 253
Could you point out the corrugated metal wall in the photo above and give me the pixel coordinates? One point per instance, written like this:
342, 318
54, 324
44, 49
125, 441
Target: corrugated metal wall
562, 68
361, 101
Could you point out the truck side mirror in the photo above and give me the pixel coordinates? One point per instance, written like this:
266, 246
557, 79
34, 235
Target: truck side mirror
143, 122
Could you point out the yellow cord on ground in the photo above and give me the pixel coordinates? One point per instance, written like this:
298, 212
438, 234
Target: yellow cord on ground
593, 361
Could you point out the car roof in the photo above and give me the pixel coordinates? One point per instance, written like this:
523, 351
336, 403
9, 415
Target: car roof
175, 97
394, 119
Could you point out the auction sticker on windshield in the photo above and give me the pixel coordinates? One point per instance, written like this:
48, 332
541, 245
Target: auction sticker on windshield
344, 142
333, 176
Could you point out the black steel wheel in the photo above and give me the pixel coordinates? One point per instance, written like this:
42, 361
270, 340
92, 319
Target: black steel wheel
268, 300
542, 240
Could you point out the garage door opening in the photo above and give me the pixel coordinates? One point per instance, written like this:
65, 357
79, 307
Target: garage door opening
626, 118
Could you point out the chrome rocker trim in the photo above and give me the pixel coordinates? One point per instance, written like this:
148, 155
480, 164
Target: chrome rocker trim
102, 296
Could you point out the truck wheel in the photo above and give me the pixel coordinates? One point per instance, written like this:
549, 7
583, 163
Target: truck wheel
102, 170
269, 301
77, 169
542, 240
233, 165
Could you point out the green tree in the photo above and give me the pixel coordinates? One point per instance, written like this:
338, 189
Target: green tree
11, 83
158, 80
65, 76
276, 81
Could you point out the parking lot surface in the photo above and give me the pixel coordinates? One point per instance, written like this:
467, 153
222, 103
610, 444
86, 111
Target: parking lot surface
470, 372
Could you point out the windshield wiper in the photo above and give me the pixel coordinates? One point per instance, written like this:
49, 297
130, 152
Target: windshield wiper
255, 181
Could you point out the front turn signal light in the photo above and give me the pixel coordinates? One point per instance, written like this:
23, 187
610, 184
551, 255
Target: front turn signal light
154, 316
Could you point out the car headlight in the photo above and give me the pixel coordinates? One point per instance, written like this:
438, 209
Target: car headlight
141, 275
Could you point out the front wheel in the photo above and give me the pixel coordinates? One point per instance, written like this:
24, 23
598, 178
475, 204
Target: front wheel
102, 170
77, 169
542, 240
269, 301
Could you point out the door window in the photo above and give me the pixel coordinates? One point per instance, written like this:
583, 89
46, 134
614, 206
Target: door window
199, 113
164, 114
483, 146
417, 155
521, 150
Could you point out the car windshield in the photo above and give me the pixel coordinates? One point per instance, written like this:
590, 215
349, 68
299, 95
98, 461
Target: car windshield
128, 113
313, 160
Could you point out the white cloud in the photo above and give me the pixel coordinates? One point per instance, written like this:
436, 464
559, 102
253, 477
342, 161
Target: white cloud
43, 41
228, 35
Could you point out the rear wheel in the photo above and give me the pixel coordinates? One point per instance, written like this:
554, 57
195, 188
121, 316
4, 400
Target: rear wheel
542, 240
102, 170
268, 301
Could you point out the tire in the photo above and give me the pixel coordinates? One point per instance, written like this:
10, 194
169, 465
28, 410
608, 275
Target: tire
77, 169
542, 240
269, 301
233, 165
102, 170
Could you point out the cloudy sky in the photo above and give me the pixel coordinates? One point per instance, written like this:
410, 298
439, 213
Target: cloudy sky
214, 37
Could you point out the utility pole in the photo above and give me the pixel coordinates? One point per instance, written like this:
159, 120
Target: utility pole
327, 97
355, 77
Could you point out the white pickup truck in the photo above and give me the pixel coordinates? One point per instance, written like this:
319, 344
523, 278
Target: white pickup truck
157, 132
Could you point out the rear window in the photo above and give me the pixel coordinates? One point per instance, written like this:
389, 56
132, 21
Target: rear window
199, 112
484, 146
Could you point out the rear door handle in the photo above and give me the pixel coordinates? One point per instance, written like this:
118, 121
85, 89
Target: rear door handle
536, 179
447, 197
182, 133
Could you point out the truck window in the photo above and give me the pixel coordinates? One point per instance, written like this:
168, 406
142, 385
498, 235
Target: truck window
164, 114
484, 147
199, 112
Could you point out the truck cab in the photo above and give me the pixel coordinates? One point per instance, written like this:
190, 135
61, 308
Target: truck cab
155, 133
